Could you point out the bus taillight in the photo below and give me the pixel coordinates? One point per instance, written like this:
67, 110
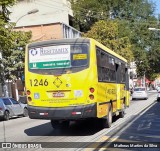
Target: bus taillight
76, 113
91, 97
29, 99
28, 92
91, 90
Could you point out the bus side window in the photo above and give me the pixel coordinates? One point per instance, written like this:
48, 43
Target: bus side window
112, 67
98, 54
99, 68
99, 74
105, 66
123, 73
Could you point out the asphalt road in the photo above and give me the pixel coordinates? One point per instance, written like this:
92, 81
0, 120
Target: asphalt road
23, 129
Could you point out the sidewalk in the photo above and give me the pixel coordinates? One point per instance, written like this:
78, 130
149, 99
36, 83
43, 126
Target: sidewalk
144, 130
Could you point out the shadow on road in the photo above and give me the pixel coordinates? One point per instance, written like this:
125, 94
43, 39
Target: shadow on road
79, 128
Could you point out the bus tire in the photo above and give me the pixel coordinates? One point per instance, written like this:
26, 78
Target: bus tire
55, 124
107, 122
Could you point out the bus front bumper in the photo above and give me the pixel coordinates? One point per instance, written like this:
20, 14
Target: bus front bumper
63, 113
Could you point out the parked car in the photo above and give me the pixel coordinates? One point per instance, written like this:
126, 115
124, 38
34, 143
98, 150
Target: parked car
9, 107
158, 88
139, 93
23, 101
158, 96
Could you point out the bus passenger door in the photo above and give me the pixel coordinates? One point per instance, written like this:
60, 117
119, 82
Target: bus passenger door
127, 102
118, 81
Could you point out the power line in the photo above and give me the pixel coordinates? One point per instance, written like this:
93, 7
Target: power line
39, 3
62, 3
50, 5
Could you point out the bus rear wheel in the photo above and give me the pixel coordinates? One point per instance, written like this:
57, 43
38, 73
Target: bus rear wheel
121, 113
107, 122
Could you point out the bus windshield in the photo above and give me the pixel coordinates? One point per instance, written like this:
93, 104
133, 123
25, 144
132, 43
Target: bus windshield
58, 57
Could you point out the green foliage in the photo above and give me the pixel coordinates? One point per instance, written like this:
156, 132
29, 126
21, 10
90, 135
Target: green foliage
145, 48
13, 52
154, 53
106, 32
5, 4
12, 46
87, 12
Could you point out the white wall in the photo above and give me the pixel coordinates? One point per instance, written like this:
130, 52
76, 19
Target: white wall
132, 69
50, 11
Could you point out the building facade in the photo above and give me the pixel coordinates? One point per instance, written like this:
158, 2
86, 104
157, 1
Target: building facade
133, 75
50, 11
52, 21
50, 31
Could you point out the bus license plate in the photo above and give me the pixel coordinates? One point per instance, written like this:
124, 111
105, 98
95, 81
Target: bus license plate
58, 94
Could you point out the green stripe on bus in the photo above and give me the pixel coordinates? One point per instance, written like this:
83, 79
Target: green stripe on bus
50, 64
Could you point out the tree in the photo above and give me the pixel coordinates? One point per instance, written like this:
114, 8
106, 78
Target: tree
4, 12
12, 46
13, 59
154, 54
144, 46
87, 12
106, 32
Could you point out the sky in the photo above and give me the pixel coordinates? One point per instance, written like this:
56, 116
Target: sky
157, 2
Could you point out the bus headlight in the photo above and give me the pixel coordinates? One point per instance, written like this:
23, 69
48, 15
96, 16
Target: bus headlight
91, 90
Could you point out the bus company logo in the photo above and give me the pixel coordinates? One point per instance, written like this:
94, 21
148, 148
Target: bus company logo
58, 94
53, 51
34, 52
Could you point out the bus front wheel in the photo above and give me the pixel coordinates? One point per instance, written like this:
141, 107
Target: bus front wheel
107, 122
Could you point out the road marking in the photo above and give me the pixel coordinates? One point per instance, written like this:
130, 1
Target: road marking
103, 138
101, 141
138, 134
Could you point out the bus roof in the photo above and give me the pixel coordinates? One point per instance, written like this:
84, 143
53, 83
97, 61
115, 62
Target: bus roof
109, 50
56, 41
76, 40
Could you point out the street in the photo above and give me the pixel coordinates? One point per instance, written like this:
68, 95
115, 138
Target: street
23, 129
72, 74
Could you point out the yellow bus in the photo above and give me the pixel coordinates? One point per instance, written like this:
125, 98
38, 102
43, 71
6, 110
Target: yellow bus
73, 79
